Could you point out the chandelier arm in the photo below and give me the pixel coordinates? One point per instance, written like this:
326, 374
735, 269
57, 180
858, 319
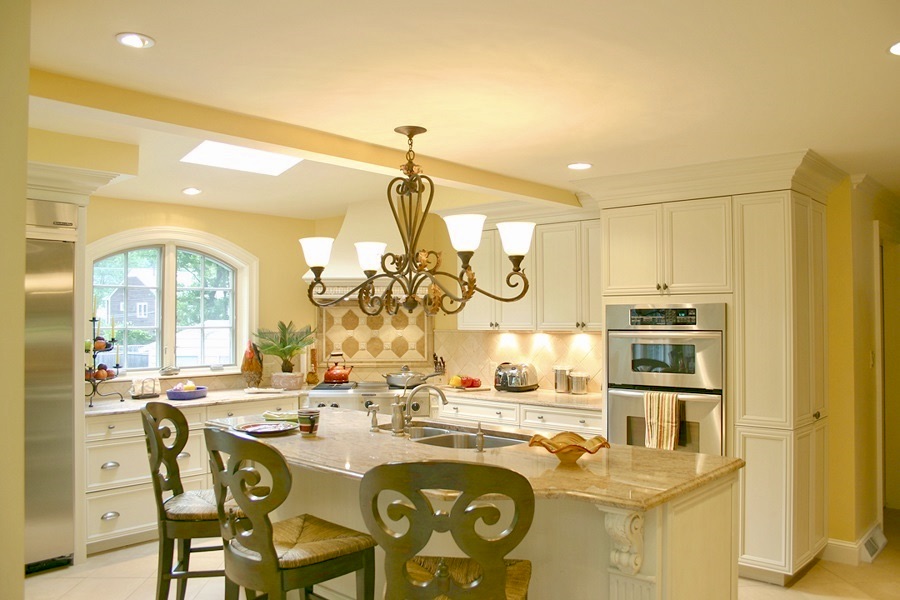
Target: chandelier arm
399, 182
318, 287
521, 294
427, 210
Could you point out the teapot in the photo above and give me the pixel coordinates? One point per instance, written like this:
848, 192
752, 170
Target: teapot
337, 373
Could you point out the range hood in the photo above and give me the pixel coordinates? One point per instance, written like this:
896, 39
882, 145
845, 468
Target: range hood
364, 222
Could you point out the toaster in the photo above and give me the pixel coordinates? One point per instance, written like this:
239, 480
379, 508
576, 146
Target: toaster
510, 377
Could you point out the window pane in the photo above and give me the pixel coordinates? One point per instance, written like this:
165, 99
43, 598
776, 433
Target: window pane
217, 346
217, 275
188, 350
110, 270
187, 308
217, 308
189, 269
132, 303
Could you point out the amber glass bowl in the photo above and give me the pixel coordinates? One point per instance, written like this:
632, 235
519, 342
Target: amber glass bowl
568, 446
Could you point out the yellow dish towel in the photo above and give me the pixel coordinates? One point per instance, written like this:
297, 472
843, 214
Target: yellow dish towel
661, 416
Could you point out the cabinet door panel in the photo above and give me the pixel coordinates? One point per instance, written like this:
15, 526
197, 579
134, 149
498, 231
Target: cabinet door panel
518, 315
698, 246
762, 316
765, 497
819, 398
592, 275
559, 260
632, 238
802, 315
479, 311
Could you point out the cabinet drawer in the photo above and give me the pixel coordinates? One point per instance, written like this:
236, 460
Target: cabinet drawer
122, 463
129, 510
564, 419
110, 427
243, 409
195, 415
487, 412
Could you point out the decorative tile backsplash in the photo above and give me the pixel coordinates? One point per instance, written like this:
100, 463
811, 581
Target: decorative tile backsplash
366, 339
477, 353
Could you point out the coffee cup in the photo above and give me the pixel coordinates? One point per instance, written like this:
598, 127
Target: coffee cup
308, 420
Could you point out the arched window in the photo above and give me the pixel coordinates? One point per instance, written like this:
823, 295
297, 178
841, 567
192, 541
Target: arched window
172, 296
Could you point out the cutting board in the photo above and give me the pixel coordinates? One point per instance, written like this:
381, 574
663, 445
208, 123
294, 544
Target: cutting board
460, 389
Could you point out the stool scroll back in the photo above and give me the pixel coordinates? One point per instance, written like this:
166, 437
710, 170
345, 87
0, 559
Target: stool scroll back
237, 463
473, 482
161, 422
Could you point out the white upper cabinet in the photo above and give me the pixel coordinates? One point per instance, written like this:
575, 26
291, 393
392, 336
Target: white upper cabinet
568, 275
671, 248
491, 266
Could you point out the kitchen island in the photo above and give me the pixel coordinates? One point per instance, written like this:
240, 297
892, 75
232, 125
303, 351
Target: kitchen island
626, 522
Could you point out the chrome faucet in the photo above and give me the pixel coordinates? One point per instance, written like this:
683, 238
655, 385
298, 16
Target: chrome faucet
407, 407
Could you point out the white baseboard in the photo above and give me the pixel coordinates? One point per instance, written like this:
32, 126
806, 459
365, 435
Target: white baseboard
854, 553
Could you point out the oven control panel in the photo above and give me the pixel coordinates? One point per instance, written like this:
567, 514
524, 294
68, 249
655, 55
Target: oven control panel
663, 316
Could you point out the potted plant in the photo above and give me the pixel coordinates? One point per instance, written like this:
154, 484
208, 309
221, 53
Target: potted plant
285, 342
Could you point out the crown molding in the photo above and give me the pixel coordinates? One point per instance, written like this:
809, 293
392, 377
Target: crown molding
65, 184
803, 171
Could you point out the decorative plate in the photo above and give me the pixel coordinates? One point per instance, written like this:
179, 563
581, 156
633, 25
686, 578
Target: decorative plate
273, 428
568, 446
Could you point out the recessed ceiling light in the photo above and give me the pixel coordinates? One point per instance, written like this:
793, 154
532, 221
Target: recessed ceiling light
135, 40
895, 49
239, 158
191, 191
580, 166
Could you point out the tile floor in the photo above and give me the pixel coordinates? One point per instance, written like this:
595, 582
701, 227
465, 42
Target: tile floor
130, 574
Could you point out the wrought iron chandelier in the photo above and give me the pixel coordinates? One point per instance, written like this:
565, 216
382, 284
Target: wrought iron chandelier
413, 278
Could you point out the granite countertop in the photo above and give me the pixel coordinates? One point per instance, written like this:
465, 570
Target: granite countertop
623, 477
113, 406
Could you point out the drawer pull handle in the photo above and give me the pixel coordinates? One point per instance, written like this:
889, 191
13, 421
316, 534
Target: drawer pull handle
278, 408
110, 426
581, 421
183, 455
109, 465
456, 408
109, 516
230, 414
540, 417
499, 413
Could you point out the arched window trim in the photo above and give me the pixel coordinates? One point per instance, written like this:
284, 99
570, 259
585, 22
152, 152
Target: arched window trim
245, 264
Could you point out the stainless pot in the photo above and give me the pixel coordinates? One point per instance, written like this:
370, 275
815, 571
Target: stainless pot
406, 378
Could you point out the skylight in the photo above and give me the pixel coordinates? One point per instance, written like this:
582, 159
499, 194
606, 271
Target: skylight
239, 158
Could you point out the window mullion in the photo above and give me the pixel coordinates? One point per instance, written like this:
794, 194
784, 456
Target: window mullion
168, 325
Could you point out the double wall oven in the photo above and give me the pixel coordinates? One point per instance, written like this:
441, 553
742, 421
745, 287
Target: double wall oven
671, 348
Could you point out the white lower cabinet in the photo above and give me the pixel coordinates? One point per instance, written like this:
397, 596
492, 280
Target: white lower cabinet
782, 492
588, 422
529, 416
485, 411
119, 504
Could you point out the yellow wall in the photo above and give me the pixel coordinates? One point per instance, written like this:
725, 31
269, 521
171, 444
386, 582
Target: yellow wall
14, 43
852, 271
892, 374
273, 240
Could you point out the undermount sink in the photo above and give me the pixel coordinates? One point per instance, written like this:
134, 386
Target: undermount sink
466, 441
416, 433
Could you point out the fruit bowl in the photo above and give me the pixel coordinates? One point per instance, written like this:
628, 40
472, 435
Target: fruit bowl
200, 392
568, 446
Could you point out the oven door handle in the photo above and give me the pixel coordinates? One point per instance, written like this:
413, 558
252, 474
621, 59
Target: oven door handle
683, 396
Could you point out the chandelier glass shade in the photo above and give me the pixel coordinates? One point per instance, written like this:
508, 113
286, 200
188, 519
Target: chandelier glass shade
414, 277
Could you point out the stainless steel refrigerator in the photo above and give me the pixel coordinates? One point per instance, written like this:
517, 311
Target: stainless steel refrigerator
49, 404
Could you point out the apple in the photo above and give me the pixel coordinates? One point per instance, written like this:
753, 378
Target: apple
100, 374
99, 343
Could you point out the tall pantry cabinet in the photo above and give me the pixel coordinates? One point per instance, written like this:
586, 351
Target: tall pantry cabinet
780, 402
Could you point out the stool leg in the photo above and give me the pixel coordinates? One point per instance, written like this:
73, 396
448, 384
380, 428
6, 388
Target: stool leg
232, 590
365, 577
164, 566
184, 561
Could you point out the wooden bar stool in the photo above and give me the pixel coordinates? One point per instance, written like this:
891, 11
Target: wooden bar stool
404, 520
183, 516
293, 554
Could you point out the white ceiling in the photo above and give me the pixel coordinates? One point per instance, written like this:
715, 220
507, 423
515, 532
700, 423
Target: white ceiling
518, 88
